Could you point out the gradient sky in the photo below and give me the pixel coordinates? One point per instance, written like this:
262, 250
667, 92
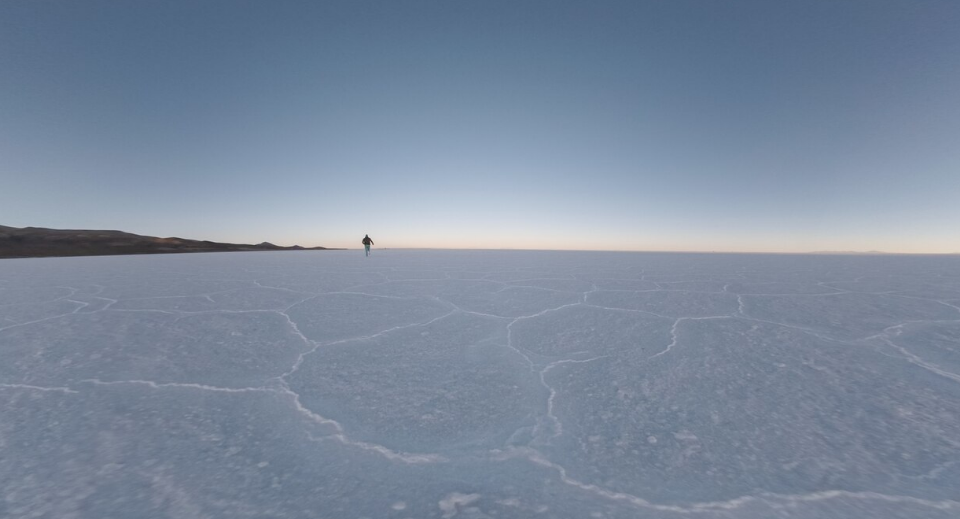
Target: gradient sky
619, 125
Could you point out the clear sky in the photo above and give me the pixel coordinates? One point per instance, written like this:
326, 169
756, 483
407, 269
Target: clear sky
623, 125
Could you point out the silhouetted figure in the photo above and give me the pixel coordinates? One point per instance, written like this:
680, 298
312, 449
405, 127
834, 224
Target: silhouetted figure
367, 242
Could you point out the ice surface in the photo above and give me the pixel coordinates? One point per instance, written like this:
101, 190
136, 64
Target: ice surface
480, 384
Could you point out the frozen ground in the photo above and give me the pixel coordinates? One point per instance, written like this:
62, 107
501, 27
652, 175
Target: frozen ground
442, 384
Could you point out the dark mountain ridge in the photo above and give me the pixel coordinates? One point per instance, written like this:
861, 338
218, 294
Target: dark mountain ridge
36, 242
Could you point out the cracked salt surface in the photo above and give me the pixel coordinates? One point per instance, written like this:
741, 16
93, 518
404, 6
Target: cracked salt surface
480, 384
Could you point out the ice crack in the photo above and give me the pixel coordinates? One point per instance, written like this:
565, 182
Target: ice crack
557, 426
913, 359
318, 345
776, 501
38, 388
184, 385
340, 435
673, 331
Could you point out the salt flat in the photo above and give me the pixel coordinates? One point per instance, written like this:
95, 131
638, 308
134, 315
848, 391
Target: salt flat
478, 384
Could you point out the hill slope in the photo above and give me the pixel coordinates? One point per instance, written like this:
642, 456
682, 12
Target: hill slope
33, 242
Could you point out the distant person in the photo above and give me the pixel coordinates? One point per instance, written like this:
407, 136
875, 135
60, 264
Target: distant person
367, 242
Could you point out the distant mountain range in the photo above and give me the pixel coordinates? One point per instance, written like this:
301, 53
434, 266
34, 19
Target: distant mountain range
869, 252
35, 242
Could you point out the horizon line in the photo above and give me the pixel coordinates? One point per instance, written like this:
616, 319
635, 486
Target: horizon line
666, 251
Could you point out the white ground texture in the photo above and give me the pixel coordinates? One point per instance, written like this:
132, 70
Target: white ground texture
480, 384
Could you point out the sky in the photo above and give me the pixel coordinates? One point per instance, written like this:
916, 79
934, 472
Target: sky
703, 125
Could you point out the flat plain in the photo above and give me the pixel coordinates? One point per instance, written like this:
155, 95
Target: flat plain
480, 384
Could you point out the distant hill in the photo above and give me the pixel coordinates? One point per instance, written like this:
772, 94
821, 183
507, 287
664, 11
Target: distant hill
35, 242
851, 252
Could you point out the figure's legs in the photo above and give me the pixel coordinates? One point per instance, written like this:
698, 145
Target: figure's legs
366, 250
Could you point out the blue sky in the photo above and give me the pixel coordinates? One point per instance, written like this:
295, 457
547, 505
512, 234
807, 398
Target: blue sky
627, 125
